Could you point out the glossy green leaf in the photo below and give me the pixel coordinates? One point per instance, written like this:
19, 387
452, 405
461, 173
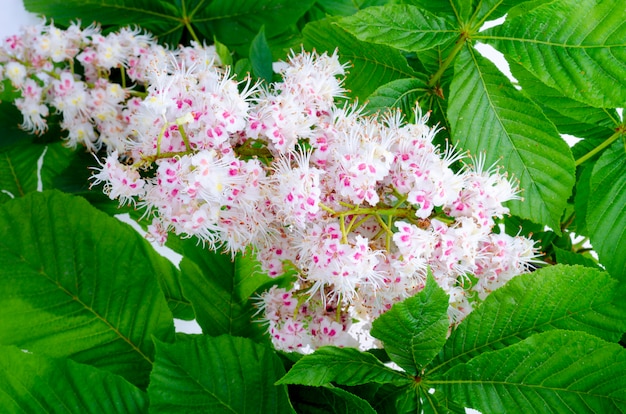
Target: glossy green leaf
414, 330
217, 375
606, 213
160, 17
78, 283
347, 7
570, 258
261, 57
577, 47
347, 366
488, 115
370, 65
552, 372
556, 297
237, 22
400, 26
27, 167
403, 94
31, 383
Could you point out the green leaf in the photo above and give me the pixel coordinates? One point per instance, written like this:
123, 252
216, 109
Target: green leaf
606, 212
27, 167
487, 114
161, 18
217, 375
400, 26
327, 400
557, 297
552, 372
403, 94
570, 258
261, 57
35, 384
414, 330
237, 22
347, 7
77, 283
347, 366
577, 47
581, 198
371, 65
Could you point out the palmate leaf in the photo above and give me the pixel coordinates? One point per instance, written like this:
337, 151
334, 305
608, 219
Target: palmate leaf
577, 47
552, 372
346, 366
606, 211
27, 167
400, 26
402, 94
77, 283
310, 400
32, 383
555, 297
414, 330
487, 114
371, 65
217, 375
160, 17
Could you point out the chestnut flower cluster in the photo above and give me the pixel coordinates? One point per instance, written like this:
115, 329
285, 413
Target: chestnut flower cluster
360, 207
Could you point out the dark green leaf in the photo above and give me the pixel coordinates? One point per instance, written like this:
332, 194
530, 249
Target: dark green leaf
552, 372
606, 212
489, 115
581, 199
28, 167
237, 22
347, 7
372, 65
570, 258
555, 297
414, 330
347, 366
403, 94
161, 18
577, 47
77, 283
327, 400
32, 383
261, 57
217, 375
400, 26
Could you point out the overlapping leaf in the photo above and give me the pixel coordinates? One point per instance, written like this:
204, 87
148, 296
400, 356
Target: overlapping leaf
555, 297
402, 94
414, 330
77, 283
217, 375
32, 383
400, 26
488, 115
371, 65
552, 372
577, 47
606, 212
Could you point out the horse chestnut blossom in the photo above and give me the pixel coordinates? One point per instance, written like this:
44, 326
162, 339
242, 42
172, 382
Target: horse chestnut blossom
360, 207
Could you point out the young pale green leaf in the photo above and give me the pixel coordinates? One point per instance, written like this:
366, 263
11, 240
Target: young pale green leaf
33, 383
261, 57
237, 22
161, 18
606, 211
372, 65
77, 283
346, 366
400, 26
576, 298
327, 399
403, 94
577, 47
217, 375
552, 372
488, 115
414, 330
28, 167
